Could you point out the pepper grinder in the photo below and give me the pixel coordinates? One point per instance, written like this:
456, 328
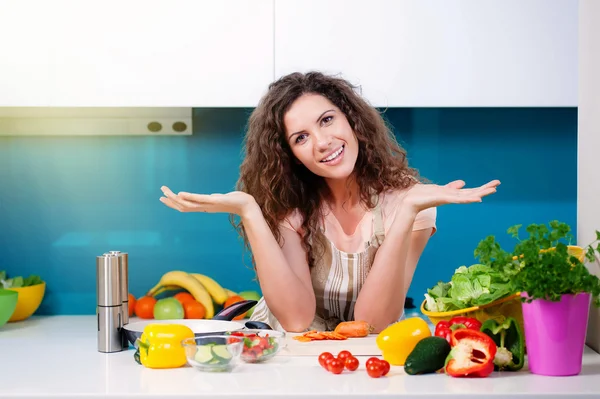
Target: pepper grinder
123, 282
108, 293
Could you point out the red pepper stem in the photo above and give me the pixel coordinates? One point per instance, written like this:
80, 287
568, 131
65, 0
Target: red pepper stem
457, 326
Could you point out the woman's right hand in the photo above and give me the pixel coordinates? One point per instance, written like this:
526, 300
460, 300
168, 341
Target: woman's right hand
236, 202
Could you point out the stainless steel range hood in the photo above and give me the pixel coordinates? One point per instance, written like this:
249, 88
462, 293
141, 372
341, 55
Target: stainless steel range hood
95, 121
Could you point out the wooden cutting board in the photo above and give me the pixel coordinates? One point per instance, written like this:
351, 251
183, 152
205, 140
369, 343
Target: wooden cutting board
365, 346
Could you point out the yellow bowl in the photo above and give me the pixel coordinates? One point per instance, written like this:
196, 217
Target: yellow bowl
499, 310
30, 299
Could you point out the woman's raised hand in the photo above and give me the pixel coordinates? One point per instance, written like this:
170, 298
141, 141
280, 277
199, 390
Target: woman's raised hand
423, 196
236, 202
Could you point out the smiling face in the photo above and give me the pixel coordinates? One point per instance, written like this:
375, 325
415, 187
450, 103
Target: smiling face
321, 137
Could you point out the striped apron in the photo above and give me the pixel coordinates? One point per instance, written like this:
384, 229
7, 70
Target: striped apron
337, 278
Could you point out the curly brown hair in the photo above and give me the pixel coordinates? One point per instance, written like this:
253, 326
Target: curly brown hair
280, 185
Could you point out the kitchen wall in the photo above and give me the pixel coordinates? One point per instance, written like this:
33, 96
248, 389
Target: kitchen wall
588, 218
65, 200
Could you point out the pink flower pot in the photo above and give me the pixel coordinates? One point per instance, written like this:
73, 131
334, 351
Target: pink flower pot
555, 334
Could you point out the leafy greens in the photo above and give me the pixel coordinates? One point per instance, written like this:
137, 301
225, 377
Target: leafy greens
478, 284
18, 281
539, 265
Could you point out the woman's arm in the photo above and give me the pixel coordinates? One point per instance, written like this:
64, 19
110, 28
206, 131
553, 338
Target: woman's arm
381, 299
283, 272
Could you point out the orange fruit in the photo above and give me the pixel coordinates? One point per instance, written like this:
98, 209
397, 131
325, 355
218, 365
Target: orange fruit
194, 310
144, 307
131, 304
230, 301
183, 297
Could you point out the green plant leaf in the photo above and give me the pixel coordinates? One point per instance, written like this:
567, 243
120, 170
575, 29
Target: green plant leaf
550, 274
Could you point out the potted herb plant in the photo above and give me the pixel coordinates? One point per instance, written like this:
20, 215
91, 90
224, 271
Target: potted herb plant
556, 290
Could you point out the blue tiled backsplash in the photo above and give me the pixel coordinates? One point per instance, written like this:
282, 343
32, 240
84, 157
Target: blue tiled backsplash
65, 200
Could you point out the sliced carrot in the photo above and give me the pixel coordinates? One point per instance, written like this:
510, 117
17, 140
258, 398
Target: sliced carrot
315, 336
302, 338
338, 336
354, 329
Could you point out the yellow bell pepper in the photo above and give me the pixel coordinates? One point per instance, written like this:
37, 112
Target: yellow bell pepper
160, 345
398, 340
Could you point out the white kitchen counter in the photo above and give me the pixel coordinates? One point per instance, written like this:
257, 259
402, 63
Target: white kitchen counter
57, 356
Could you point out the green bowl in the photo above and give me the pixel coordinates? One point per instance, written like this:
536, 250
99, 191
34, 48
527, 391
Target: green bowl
8, 304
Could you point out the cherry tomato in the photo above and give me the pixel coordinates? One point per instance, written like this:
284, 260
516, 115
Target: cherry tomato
323, 357
336, 366
351, 363
343, 355
328, 363
374, 370
385, 367
371, 360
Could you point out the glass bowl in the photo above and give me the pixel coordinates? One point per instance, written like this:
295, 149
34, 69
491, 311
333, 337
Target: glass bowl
213, 352
260, 345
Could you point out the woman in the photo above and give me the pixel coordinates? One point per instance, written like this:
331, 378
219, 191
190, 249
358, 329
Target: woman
335, 218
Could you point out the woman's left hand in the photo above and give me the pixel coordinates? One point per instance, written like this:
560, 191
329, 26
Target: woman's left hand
423, 196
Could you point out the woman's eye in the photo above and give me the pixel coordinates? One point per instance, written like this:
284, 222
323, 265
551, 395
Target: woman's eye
300, 138
326, 120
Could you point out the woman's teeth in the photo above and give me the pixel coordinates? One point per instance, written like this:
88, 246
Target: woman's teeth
334, 155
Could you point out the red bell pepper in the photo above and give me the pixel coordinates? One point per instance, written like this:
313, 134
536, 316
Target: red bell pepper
472, 354
444, 328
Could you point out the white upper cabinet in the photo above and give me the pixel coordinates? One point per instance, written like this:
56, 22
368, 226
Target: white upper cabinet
191, 53
224, 53
24, 53
454, 53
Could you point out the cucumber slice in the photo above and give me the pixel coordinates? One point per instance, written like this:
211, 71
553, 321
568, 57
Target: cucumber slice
220, 352
204, 354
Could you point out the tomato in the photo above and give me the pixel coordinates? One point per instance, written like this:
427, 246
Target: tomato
385, 367
351, 363
371, 360
323, 357
234, 340
328, 363
375, 370
343, 355
336, 366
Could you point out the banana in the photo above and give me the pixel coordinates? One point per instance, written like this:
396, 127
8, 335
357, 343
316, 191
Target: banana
218, 293
190, 284
162, 289
230, 293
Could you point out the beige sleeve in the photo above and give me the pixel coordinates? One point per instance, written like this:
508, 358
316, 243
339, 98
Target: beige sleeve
424, 220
